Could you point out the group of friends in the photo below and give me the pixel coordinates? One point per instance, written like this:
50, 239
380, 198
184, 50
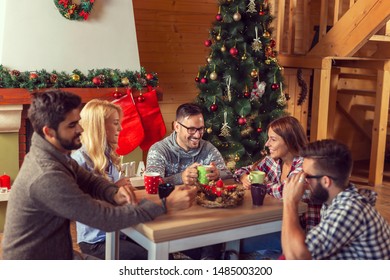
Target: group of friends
72, 173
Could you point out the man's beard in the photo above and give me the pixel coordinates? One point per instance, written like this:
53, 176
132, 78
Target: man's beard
69, 144
319, 194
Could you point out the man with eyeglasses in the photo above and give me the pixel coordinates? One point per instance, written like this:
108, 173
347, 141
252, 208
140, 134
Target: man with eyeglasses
350, 226
177, 157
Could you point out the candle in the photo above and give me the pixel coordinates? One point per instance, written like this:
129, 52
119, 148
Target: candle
5, 181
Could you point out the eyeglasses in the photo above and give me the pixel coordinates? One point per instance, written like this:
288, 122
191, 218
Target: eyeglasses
319, 176
193, 130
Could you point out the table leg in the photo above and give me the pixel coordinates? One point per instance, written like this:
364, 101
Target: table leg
158, 251
112, 245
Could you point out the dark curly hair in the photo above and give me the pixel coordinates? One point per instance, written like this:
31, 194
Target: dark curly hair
331, 158
50, 108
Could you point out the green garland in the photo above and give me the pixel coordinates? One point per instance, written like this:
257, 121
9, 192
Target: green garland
73, 11
104, 78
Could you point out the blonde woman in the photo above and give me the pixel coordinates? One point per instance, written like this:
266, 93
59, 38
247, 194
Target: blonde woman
101, 121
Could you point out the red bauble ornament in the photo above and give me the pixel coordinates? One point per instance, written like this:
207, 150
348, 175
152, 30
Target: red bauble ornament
97, 81
247, 94
259, 130
140, 98
204, 80
262, 13
207, 43
233, 51
218, 17
149, 77
275, 86
117, 94
213, 107
33, 76
242, 121
197, 79
272, 43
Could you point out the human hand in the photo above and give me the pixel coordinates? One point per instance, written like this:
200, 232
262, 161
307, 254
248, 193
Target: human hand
123, 181
244, 179
212, 172
125, 195
294, 188
181, 198
190, 174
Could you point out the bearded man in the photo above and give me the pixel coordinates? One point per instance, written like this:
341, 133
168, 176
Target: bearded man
350, 226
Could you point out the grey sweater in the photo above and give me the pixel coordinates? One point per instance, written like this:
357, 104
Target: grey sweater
170, 160
49, 191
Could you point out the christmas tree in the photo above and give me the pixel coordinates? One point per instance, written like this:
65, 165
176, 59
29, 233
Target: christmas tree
241, 85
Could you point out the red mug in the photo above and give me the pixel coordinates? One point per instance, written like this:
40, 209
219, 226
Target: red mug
151, 182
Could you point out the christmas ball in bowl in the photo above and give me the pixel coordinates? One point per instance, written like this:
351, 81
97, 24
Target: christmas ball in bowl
218, 195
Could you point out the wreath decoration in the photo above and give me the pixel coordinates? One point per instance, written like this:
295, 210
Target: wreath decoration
73, 11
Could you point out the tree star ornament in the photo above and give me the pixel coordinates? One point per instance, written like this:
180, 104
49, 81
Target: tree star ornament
225, 130
256, 45
73, 11
251, 7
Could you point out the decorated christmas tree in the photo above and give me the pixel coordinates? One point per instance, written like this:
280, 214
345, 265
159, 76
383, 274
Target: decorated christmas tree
241, 85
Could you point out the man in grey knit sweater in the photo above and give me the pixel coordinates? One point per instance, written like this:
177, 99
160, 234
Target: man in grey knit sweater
51, 189
177, 157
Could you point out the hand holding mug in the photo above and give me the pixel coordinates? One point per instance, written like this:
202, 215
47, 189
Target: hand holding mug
190, 174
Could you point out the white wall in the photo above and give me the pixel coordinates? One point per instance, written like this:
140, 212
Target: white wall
35, 36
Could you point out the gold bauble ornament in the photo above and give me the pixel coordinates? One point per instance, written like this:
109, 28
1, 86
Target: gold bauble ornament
254, 73
267, 61
223, 48
237, 16
231, 165
236, 158
209, 130
266, 34
213, 75
244, 57
75, 77
218, 37
209, 59
125, 81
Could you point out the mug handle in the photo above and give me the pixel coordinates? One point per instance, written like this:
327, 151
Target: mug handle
160, 180
250, 178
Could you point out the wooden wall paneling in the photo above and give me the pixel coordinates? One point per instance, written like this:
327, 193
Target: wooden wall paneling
320, 104
292, 88
334, 81
291, 27
379, 131
171, 37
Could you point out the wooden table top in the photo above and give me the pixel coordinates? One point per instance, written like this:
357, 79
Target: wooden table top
200, 220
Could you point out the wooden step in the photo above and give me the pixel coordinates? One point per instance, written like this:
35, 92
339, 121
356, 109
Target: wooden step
356, 92
380, 38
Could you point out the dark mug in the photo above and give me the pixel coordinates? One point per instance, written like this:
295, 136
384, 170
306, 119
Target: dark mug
258, 192
165, 189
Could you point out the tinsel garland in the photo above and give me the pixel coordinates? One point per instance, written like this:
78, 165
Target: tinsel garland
302, 84
105, 78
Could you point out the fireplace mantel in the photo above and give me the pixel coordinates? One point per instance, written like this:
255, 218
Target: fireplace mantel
13, 99
17, 96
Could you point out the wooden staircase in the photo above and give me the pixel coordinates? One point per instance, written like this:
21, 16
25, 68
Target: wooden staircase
350, 70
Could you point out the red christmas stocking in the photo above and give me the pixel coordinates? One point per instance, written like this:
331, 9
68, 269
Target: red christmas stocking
151, 118
132, 132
